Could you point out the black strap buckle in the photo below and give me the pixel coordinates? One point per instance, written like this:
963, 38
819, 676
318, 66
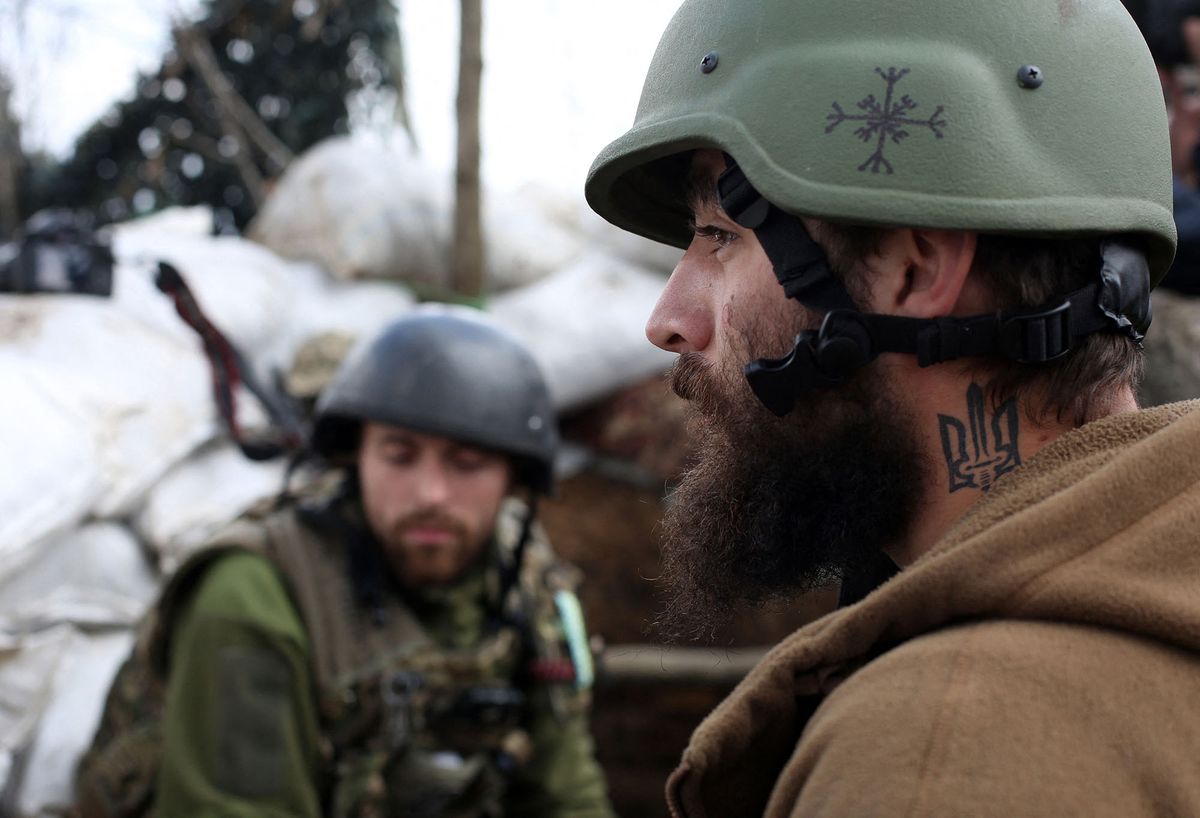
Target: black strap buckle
777, 381
397, 691
818, 359
1037, 337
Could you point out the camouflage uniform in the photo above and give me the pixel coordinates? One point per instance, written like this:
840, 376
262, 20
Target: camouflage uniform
271, 681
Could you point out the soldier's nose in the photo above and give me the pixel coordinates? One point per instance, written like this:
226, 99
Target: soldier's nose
433, 488
682, 318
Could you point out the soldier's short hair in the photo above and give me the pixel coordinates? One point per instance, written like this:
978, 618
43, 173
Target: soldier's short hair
1021, 271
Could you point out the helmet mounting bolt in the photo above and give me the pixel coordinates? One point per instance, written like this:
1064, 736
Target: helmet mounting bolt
709, 63
1030, 76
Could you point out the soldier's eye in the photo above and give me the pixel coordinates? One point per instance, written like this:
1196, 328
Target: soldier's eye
469, 460
719, 237
398, 455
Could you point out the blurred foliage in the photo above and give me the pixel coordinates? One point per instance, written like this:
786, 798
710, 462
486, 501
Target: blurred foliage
294, 62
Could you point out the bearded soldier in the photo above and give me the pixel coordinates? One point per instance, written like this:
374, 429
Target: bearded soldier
402, 642
919, 241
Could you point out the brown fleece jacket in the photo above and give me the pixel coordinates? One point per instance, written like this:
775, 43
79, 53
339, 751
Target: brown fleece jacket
1043, 659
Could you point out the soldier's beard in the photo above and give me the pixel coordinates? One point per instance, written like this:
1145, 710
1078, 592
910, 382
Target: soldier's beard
774, 507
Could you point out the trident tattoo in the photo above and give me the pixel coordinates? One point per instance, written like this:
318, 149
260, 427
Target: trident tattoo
974, 460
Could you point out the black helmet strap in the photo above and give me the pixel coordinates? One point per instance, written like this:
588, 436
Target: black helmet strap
800, 263
1118, 301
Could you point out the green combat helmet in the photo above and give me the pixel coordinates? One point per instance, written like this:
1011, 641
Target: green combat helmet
1031, 118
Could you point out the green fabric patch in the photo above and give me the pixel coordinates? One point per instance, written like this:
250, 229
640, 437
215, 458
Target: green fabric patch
252, 722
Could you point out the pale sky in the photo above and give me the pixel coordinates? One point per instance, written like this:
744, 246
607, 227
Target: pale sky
561, 77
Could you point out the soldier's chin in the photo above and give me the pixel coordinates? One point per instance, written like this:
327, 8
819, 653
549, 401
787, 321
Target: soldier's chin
769, 511
423, 563
421, 572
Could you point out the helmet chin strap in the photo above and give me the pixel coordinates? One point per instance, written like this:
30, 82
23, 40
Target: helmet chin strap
848, 339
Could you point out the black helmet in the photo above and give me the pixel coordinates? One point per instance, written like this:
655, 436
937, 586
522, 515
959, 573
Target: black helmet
449, 376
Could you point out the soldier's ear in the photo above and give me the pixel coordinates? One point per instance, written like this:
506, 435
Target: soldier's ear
923, 273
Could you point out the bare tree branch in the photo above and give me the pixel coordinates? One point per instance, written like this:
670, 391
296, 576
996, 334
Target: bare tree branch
201, 144
196, 50
187, 40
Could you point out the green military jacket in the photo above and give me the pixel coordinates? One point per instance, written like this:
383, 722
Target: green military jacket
279, 692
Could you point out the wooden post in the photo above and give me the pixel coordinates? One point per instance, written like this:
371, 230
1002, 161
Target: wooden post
11, 161
467, 250
668, 665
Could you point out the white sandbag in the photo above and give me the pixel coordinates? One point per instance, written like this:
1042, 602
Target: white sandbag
76, 693
362, 308
358, 309
143, 397
360, 210
523, 240
245, 290
52, 475
586, 327
98, 406
574, 215
185, 222
94, 576
121, 383
26, 667
608, 238
201, 495
302, 300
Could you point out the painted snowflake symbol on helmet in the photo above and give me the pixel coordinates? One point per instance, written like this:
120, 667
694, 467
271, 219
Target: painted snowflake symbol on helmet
886, 120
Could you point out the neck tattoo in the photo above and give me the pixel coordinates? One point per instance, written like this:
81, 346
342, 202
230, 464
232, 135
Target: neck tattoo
976, 459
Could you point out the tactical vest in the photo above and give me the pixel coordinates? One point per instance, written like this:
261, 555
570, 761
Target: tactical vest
408, 727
